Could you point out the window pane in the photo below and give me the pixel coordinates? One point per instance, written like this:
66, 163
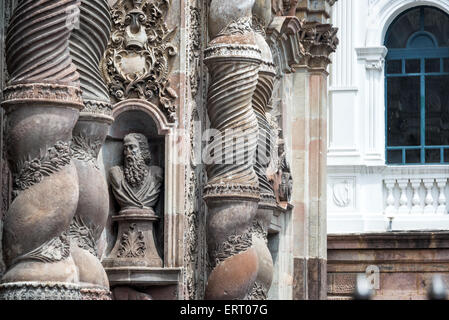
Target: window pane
394, 66
403, 115
437, 23
394, 156
433, 156
413, 66
437, 110
402, 29
446, 155
432, 65
413, 156
446, 65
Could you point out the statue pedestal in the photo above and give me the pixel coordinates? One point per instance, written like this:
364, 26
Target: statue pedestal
135, 245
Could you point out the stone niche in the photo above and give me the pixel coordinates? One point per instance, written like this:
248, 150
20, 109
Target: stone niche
136, 256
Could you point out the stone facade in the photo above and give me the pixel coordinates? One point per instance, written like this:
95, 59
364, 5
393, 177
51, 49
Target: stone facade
394, 217
399, 265
164, 149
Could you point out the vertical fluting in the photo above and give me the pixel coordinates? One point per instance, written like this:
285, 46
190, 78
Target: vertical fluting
87, 45
42, 103
232, 193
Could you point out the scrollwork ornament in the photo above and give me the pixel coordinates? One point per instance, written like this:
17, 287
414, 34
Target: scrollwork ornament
136, 63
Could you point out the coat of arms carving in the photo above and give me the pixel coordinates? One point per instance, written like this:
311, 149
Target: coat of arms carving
137, 61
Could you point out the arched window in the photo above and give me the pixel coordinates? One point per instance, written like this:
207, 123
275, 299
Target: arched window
417, 88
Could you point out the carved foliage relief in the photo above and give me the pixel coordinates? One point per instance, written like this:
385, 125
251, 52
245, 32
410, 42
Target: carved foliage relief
137, 61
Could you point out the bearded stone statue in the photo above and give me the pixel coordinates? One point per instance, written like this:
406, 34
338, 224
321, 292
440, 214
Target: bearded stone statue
136, 185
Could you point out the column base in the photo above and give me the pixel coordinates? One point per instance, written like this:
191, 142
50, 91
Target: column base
39, 291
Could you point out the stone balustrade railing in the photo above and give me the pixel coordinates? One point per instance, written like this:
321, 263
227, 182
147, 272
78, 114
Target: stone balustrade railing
416, 195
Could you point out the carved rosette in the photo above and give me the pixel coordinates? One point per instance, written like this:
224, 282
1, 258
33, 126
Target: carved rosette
137, 61
232, 193
87, 46
42, 103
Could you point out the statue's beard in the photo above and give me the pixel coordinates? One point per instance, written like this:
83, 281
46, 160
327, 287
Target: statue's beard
135, 170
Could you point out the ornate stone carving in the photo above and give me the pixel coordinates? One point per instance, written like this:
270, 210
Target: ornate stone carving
53, 250
42, 103
258, 292
39, 291
284, 7
136, 184
283, 37
136, 63
33, 171
265, 146
43, 93
87, 46
86, 148
136, 187
95, 294
194, 48
84, 236
97, 108
132, 244
235, 244
319, 41
341, 194
280, 174
240, 26
233, 59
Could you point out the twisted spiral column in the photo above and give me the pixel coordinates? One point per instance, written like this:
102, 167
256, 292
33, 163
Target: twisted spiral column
42, 103
87, 45
265, 146
232, 193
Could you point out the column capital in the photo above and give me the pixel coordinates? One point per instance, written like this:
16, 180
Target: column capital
374, 57
283, 37
319, 41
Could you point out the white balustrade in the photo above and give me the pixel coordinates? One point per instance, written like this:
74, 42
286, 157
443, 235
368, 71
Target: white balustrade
415, 196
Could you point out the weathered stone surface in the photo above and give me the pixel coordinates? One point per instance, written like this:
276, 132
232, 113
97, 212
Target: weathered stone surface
42, 102
406, 262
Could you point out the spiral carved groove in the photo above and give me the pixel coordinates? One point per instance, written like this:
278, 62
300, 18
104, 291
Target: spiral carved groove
232, 193
261, 99
42, 105
87, 45
36, 42
229, 108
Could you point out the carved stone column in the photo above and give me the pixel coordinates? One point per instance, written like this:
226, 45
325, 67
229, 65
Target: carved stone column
232, 192
42, 103
265, 145
87, 45
309, 151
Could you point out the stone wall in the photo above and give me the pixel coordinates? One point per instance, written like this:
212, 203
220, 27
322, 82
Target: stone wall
399, 265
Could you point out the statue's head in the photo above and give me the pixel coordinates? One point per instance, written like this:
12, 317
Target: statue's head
135, 145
